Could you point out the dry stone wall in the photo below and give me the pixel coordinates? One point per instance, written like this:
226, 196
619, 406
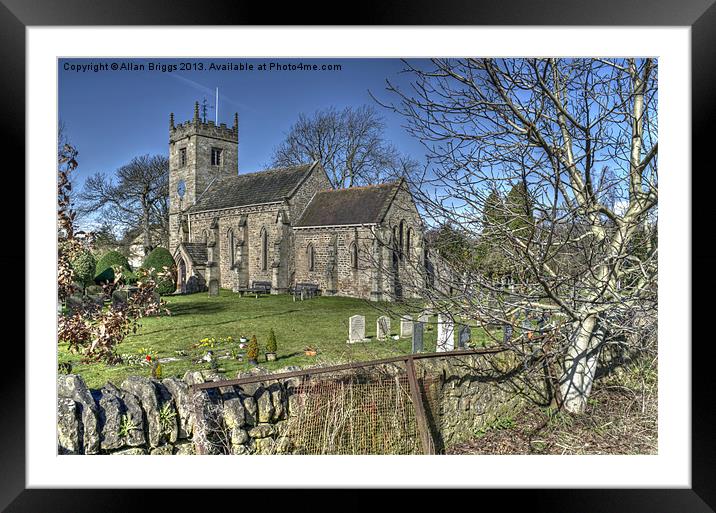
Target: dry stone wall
150, 416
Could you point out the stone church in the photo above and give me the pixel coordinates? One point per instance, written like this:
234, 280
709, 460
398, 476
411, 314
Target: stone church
284, 226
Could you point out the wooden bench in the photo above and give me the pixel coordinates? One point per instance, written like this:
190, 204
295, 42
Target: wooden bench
256, 288
305, 290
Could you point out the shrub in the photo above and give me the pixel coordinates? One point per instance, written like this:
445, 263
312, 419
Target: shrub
83, 267
104, 271
252, 351
158, 259
130, 277
271, 345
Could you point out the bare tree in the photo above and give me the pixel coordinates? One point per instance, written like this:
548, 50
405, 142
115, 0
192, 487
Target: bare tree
136, 196
349, 144
578, 138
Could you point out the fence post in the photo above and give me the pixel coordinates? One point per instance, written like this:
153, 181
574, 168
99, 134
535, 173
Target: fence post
422, 421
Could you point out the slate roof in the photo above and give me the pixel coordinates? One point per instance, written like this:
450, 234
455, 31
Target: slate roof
197, 251
355, 205
267, 186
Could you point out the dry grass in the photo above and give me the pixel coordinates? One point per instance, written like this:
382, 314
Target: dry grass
621, 418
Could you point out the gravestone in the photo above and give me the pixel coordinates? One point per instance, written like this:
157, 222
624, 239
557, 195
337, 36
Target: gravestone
446, 333
356, 329
543, 320
424, 317
213, 288
464, 335
406, 326
119, 298
506, 333
418, 329
382, 327
74, 303
97, 300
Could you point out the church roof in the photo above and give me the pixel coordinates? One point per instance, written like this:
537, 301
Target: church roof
355, 205
269, 186
196, 251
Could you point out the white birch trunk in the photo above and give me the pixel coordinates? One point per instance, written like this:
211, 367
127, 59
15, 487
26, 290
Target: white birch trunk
580, 365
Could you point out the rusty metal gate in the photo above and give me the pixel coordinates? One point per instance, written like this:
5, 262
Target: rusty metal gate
373, 407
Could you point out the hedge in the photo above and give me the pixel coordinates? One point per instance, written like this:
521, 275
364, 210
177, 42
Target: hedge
158, 259
104, 272
83, 268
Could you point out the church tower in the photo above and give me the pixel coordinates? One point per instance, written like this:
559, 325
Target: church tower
199, 152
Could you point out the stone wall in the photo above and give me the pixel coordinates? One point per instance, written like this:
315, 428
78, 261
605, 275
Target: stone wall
404, 277
350, 281
148, 416
257, 218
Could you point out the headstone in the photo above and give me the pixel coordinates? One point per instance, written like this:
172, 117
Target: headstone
382, 327
213, 288
119, 298
356, 329
446, 334
74, 303
424, 317
97, 300
506, 333
406, 326
543, 320
464, 335
418, 329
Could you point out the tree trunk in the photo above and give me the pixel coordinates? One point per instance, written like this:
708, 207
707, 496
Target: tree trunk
146, 230
580, 364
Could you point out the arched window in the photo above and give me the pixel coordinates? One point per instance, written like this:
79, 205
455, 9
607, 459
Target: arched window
407, 242
232, 246
401, 229
311, 257
205, 237
264, 249
354, 255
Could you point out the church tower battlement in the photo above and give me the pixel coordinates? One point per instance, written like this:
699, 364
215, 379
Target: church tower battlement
199, 152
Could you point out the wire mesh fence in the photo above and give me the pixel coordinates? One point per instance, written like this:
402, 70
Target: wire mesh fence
377, 407
355, 415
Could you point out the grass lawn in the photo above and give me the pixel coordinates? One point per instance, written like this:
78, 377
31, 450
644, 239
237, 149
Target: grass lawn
320, 322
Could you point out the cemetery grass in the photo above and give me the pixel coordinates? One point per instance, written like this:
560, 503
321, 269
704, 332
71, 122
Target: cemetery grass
621, 418
321, 322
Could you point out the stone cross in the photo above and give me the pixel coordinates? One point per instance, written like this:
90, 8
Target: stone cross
356, 329
382, 327
446, 333
417, 345
406, 326
464, 335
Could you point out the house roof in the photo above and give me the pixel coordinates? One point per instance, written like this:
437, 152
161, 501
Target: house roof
196, 251
269, 186
355, 205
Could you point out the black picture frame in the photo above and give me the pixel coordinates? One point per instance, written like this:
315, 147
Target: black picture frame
700, 15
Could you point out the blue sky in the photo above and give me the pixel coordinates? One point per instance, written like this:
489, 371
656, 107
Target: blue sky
112, 116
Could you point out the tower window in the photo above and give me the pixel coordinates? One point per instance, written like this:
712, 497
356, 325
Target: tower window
182, 157
216, 156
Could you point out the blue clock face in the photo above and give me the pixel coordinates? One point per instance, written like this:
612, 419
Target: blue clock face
181, 188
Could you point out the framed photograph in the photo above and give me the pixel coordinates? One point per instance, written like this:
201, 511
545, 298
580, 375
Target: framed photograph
426, 250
